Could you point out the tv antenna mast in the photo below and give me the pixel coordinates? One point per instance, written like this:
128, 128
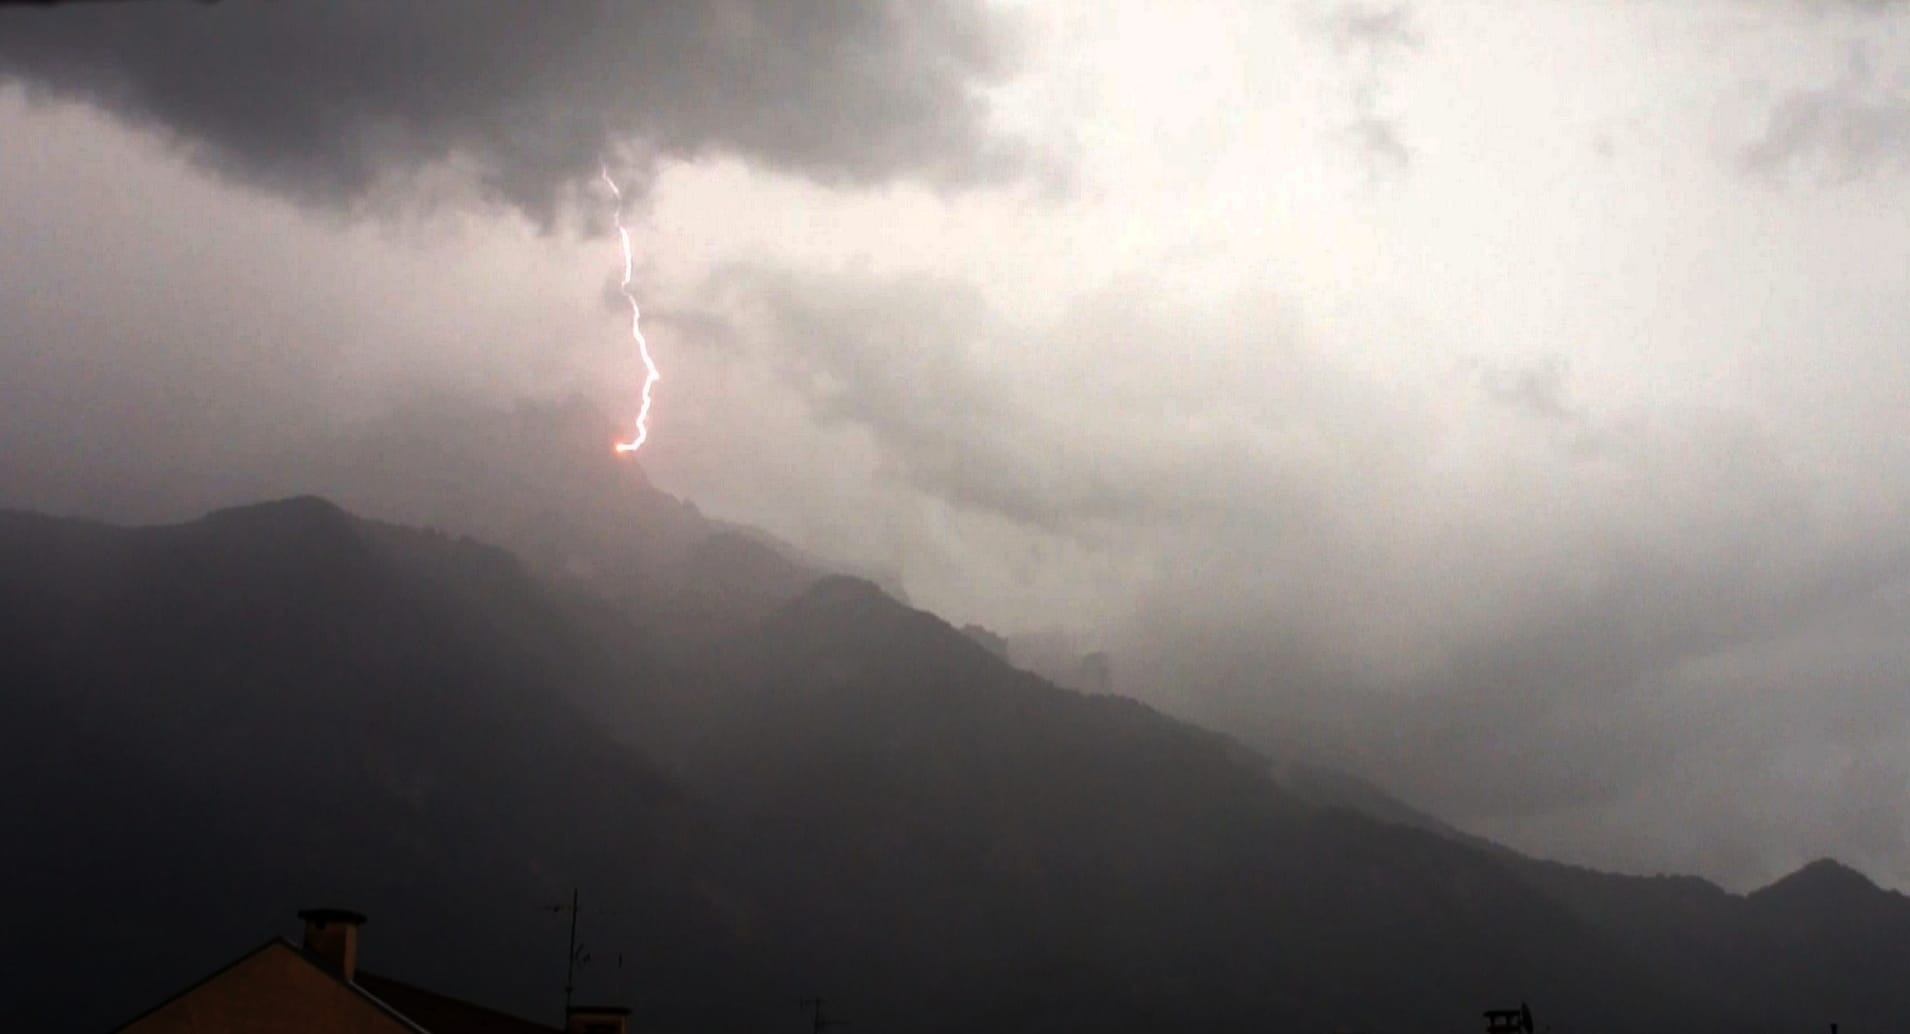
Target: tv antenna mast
819, 1018
578, 954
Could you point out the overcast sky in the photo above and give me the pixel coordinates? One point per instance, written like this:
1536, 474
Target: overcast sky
1507, 399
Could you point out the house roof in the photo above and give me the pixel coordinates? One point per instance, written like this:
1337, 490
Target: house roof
281, 944
417, 1010
442, 1014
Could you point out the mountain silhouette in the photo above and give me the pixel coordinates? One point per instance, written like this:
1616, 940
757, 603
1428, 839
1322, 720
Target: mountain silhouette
825, 791
282, 703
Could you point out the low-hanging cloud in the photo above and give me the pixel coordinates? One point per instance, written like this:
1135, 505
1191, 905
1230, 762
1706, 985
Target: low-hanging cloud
1842, 130
1369, 37
962, 402
335, 100
1569, 603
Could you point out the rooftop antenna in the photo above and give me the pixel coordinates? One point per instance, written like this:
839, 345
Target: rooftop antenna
576, 956
579, 955
819, 1019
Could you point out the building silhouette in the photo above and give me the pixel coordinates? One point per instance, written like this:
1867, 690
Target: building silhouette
283, 988
1509, 1021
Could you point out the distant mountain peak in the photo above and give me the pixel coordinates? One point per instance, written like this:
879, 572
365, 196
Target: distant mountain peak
297, 507
306, 520
839, 589
855, 617
1824, 880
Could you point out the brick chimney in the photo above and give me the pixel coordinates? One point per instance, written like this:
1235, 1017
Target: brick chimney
597, 1019
331, 937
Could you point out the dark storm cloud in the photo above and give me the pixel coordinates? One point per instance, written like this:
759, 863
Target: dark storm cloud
332, 99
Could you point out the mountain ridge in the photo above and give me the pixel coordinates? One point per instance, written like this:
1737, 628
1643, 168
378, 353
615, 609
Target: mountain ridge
846, 792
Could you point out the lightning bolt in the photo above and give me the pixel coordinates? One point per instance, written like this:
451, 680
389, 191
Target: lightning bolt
650, 374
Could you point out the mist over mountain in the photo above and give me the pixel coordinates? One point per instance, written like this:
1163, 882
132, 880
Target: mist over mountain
536, 477
1351, 382
843, 795
1226, 516
1052, 655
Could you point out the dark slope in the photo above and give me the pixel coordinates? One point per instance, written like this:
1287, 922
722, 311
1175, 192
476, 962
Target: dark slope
1327, 788
955, 831
1823, 944
540, 479
222, 721
1842, 941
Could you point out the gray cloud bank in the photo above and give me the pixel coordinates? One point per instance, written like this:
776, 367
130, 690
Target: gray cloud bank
1646, 635
332, 100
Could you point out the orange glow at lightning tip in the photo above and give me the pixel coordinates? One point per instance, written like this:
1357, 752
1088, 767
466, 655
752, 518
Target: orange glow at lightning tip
650, 374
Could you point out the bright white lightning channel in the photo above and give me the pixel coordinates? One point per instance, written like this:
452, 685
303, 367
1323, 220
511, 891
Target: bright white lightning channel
650, 374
